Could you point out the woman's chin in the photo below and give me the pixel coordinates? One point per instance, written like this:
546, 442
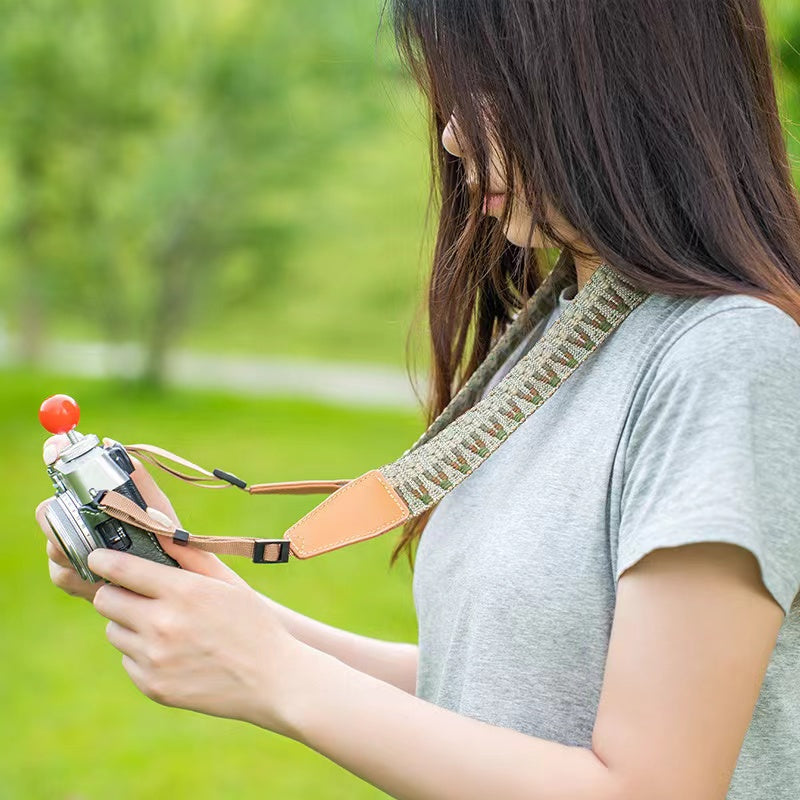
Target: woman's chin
520, 238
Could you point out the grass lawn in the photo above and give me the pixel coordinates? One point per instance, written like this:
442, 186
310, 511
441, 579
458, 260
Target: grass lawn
73, 725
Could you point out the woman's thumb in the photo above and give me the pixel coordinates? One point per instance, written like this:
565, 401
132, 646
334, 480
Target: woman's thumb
52, 447
160, 516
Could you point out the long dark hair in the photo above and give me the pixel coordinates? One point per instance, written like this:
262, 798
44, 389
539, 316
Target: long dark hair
651, 126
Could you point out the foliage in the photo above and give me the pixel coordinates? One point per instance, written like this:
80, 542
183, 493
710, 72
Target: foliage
784, 29
192, 169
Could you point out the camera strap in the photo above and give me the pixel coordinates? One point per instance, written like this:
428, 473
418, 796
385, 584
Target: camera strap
454, 445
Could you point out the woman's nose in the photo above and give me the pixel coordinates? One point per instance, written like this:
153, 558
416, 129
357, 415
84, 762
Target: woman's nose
449, 140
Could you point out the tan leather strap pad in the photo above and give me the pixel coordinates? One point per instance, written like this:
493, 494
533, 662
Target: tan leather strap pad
364, 507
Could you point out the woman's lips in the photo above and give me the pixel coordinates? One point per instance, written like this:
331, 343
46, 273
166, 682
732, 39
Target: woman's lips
493, 202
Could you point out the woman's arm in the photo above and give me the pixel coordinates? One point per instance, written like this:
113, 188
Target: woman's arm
693, 632
391, 662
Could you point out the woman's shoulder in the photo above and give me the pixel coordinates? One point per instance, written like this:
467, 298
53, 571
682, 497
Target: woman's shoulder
709, 449
717, 360
712, 332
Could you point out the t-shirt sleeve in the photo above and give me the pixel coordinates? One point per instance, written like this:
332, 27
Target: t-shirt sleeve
714, 449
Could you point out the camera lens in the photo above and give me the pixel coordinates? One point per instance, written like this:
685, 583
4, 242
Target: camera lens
71, 537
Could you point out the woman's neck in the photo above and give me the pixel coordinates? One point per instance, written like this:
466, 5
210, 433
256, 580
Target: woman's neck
584, 267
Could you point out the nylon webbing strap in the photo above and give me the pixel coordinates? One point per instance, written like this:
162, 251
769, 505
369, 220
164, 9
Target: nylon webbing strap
456, 443
426, 473
259, 550
538, 308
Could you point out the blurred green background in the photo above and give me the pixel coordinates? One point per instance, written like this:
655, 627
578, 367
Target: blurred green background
73, 726
239, 178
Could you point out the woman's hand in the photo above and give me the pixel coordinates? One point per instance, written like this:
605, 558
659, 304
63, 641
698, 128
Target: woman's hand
198, 638
63, 574
197, 642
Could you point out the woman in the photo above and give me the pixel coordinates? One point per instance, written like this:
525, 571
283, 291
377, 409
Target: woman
605, 609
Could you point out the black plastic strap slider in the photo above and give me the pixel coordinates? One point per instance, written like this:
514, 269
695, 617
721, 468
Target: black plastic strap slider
226, 476
259, 548
180, 537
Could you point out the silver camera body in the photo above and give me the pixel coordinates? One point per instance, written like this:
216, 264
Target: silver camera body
83, 472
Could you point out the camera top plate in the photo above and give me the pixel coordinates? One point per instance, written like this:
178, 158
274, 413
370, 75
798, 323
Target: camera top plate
80, 448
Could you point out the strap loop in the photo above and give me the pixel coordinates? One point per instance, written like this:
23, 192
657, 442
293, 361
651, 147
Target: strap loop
126, 510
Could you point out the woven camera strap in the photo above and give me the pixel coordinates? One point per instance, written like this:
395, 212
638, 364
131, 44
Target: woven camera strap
456, 443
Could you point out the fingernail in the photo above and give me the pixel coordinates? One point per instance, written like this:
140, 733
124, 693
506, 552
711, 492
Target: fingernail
159, 516
50, 453
98, 559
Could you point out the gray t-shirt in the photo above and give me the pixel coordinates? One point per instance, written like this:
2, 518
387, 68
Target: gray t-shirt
684, 426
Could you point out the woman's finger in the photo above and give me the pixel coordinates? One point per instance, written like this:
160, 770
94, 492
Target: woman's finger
121, 605
66, 579
201, 562
124, 639
43, 523
54, 550
136, 674
56, 554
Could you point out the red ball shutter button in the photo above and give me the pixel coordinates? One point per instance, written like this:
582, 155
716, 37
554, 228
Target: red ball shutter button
59, 413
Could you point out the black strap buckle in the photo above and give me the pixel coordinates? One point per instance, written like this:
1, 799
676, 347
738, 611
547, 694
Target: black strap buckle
260, 546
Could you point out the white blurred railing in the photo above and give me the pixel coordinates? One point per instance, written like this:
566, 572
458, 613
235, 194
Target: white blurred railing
346, 383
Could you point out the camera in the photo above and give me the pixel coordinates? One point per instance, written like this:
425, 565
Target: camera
84, 470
